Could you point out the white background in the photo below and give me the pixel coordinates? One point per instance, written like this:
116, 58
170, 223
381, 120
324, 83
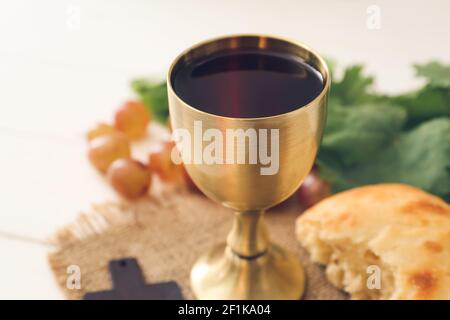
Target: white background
64, 65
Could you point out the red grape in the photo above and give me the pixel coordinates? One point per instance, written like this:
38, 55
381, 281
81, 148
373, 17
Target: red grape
130, 178
132, 119
160, 161
104, 150
101, 129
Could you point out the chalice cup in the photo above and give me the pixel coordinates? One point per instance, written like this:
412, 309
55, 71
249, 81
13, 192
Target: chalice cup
248, 265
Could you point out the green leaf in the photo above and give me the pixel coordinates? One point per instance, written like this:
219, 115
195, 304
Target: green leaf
356, 135
420, 157
154, 96
354, 86
436, 73
426, 103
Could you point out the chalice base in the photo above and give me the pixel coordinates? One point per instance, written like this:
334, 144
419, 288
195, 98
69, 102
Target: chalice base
223, 275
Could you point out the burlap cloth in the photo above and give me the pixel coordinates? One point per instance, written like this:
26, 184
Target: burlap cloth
166, 233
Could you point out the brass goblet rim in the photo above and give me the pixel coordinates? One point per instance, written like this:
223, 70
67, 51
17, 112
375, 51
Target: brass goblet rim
284, 39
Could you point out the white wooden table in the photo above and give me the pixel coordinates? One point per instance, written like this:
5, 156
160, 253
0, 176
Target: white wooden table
64, 65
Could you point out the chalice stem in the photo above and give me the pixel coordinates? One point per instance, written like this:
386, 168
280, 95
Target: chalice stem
248, 237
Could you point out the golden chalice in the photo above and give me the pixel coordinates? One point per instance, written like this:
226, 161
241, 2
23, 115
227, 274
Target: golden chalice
248, 266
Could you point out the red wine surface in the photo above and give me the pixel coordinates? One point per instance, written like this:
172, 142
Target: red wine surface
247, 83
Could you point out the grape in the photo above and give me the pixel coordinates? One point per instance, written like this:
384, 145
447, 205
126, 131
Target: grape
130, 178
161, 163
105, 149
132, 119
313, 189
101, 129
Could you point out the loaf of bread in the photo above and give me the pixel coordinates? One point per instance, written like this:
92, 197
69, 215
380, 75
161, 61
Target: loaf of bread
385, 241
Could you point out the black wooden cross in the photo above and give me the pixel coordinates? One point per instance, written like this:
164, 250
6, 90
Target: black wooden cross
129, 284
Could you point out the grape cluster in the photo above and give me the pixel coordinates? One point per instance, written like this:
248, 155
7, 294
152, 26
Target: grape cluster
110, 153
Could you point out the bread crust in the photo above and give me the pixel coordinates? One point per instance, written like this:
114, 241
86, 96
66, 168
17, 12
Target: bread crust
403, 230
